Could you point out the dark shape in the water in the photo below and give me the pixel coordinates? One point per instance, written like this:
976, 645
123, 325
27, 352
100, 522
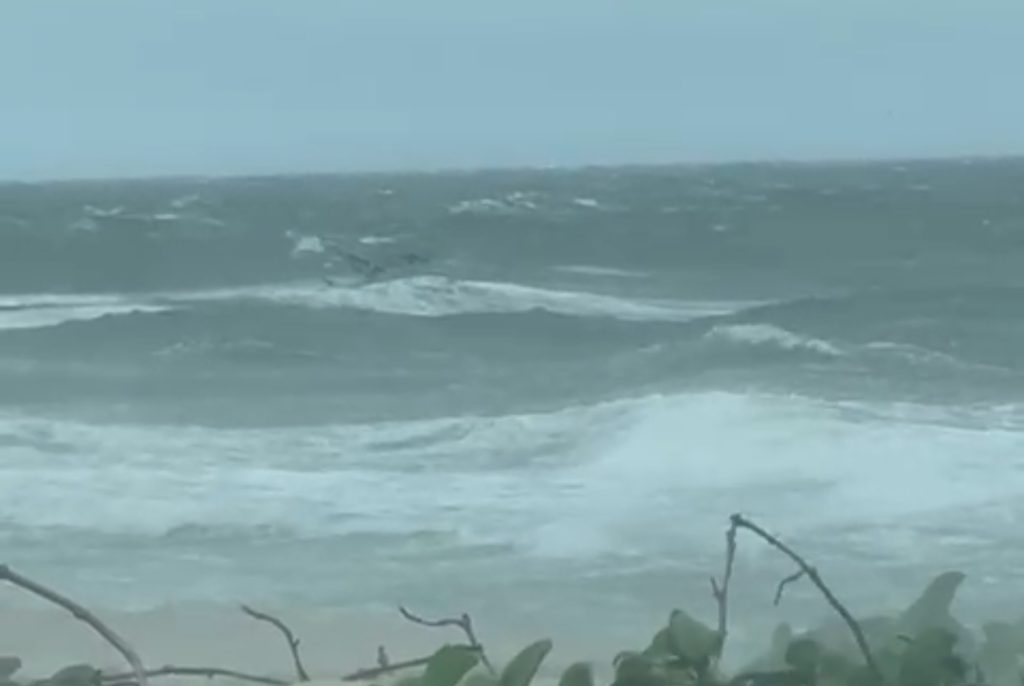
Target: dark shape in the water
375, 270
362, 266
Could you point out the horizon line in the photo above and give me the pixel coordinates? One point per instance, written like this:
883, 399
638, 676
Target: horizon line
458, 170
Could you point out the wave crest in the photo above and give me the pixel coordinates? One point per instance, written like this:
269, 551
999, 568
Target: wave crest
45, 310
769, 335
433, 296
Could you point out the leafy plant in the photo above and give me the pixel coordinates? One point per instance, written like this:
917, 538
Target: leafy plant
922, 645
449, 665
8, 666
578, 674
523, 667
930, 660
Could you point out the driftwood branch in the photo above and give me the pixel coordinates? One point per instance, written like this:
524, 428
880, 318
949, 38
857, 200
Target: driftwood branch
204, 672
465, 623
811, 573
289, 637
374, 672
80, 613
792, 578
721, 590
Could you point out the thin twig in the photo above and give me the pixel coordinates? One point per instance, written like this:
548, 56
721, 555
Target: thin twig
465, 623
792, 578
293, 643
721, 591
741, 522
374, 672
80, 613
206, 672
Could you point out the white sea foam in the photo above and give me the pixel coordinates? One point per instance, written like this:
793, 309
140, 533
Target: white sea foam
771, 336
45, 309
641, 476
693, 459
306, 245
377, 240
433, 296
164, 217
154, 480
103, 213
186, 201
420, 296
594, 270
513, 203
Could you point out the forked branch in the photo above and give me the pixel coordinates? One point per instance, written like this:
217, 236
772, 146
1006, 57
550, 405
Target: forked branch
740, 522
465, 623
289, 637
792, 578
80, 613
721, 590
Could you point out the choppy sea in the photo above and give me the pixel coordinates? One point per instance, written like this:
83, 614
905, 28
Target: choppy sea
535, 393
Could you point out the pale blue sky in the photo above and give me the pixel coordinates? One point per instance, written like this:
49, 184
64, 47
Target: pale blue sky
144, 87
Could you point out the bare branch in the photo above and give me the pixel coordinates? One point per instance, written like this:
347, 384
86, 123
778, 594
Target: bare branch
741, 522
293, 643
792, 578
80, 613
721, 591
204, 672
374, 672
465, 623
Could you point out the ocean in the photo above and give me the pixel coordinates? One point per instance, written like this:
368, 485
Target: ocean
532, 394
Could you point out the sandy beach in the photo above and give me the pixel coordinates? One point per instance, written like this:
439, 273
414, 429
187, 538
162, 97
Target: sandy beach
333, 642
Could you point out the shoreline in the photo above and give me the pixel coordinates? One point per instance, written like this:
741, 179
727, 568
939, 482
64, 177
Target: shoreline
333, 642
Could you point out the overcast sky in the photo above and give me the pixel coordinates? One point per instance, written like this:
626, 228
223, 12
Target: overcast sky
144, 87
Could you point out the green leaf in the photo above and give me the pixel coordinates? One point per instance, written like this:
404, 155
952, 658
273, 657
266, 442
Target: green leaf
930, 661
782, 636
629, 659
523, 667
661, 645
863, 676
480, 679
998, 657
931, 609
835, 668
8, 666
781, 677
692, 640
448, 665
76, 675
803, 655
579, 674
635, 669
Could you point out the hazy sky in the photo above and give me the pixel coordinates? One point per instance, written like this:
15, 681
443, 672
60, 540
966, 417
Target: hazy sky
126, 87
